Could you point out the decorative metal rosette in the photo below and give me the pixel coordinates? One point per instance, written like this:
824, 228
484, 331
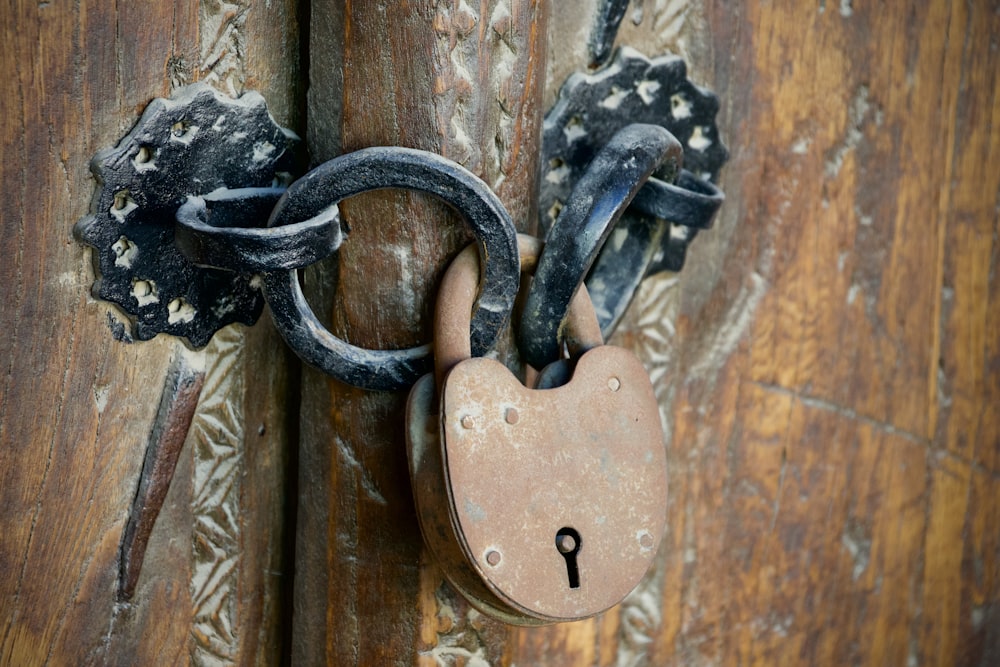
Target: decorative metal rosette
591, 108
196, 143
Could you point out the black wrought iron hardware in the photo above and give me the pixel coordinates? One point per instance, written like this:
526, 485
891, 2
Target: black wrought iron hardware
599, 199
198, 222
198, 143
602, 39
195, 223
212, 231
391, 167
665, 216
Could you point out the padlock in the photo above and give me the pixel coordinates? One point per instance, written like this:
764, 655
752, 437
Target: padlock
539, 505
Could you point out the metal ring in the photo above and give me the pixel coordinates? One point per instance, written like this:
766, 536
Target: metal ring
576, 237
210, 233
393, 167
458, 289
692, 202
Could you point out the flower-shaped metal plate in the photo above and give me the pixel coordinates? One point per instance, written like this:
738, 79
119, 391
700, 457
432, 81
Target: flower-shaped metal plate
195, 143
591, 108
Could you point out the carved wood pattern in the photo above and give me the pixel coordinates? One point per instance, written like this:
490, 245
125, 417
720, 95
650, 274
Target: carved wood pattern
223, 44
217, 440
451, 631
217, 436
473, 74
481, 90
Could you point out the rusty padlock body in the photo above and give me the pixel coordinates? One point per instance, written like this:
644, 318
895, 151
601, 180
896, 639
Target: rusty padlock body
504, 469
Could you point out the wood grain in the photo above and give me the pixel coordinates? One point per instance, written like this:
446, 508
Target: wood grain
76, 401
828, 359
459, 79
832, 382
828, 362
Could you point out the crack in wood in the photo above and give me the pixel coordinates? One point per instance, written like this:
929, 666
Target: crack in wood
843, 411
178, 401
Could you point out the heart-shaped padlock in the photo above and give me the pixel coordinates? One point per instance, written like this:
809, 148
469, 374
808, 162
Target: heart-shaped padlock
540, 505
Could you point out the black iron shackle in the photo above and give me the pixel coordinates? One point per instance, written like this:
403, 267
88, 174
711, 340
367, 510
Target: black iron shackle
607, 188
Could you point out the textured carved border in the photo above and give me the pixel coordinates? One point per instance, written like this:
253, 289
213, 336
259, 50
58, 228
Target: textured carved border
460, 58
217, 431
217, 447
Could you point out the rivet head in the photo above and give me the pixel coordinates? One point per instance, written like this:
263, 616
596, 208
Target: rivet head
646, 541
511, 416
493, 558
468, 421
614, 384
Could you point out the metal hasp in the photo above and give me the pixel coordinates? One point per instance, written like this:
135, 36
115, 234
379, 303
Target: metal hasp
668, 211
199, 143
612, 180
375, 168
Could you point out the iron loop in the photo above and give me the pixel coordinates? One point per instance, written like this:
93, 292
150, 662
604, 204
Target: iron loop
458, 290
583, 226
393, 167
651, 237
691, 202
211, 233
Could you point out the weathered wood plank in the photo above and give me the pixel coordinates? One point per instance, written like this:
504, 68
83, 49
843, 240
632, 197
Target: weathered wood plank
76, 405
458, 79
861, 174
828, 361
74, 401
829, 388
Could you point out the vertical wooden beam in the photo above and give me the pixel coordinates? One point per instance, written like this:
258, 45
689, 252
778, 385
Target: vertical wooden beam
462, 80
832, 342
75, 404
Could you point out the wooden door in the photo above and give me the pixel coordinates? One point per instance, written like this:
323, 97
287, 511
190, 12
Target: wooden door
79, 400
828, 362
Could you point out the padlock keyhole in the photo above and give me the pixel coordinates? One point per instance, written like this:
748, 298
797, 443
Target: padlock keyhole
568, 544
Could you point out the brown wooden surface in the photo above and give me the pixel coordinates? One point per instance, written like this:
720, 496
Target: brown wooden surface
832, 384
457, 79
827, 362
76, 405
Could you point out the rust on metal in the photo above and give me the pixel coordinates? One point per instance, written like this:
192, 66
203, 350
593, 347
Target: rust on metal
553, 501
581, 456
433, 506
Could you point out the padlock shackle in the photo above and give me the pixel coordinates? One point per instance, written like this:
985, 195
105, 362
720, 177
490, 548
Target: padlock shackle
457, 297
